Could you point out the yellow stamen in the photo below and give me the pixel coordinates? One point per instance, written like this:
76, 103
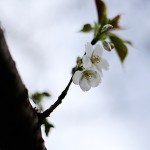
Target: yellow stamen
95, 59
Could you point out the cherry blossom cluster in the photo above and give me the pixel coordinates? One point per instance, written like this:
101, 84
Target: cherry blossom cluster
93, 64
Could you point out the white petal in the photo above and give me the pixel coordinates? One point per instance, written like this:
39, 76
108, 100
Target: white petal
89, 49
84, 84
95, 80
98, 50
86, 61
98, 68
104, 64
76, 77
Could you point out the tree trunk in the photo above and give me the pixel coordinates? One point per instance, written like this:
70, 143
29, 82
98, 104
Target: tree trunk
19, 123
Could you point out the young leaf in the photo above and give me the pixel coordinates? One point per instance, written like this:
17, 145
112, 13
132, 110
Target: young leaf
120, 47
38, 96
114, 22
101, 10
78, 65
47, 126
87, 28
96, 28
102, 37
46, 94
79, 61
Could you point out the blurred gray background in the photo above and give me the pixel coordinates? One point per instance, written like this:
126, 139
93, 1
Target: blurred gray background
44, 39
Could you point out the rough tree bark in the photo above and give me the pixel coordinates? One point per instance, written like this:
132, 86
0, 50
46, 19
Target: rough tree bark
19, 123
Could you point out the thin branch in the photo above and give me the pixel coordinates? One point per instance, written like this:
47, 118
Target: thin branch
47, 112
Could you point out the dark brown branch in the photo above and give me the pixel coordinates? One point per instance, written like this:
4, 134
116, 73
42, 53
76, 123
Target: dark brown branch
19, 124
47, 112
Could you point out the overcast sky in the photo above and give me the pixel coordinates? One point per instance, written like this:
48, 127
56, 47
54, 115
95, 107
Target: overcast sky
44, 40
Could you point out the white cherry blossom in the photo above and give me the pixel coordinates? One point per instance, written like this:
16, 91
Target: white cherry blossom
93, 58
86, 79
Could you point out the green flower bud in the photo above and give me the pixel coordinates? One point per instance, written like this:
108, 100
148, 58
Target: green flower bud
107, 46
107, 27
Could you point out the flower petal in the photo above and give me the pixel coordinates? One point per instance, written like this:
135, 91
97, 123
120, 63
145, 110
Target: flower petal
89, 49
84, 84
98, 68
104, 64
95, 80
76, 77
86, 61
98, 50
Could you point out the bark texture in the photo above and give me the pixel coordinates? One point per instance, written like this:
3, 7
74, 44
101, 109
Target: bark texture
19, 124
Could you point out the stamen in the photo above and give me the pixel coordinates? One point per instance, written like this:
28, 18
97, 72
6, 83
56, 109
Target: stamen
95, 59
87, 75
90, 76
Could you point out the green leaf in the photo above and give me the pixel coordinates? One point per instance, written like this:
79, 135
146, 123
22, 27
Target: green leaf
101, 10
96, 28
86, 28
78, 65
46, 94
102, 37
47, 126
79, 61
38, 96
114, 22
120, 47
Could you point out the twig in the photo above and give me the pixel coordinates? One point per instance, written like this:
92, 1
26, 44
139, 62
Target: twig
47, 112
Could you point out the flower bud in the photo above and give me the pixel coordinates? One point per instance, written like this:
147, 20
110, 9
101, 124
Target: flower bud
107, 27
112, 45
107, 46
